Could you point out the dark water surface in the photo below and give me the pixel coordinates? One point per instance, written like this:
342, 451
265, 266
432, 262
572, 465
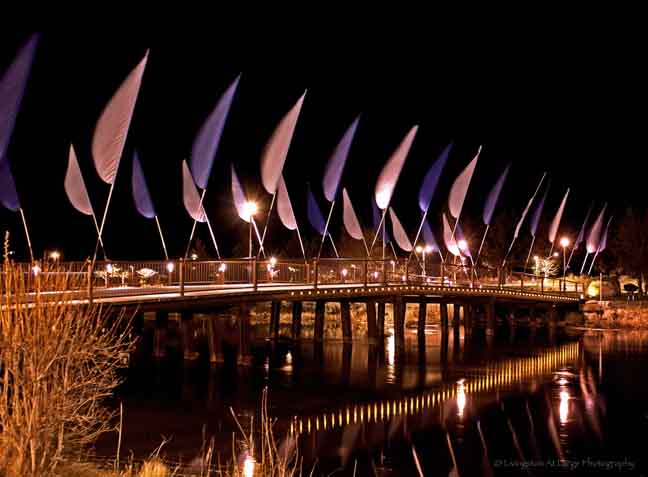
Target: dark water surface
525, 401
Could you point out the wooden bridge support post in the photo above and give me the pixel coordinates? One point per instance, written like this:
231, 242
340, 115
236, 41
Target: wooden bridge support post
372, 332
244, 353
320, 309
159, 335
215, 356
399, 320
443, 311
456, 314
275, 315
296, 319
490, 318
422, 315
380, 323
186, 331
345, 315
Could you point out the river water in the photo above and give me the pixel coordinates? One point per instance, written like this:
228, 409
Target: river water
526, 401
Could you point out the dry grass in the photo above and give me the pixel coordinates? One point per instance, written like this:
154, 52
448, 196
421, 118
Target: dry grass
58, 363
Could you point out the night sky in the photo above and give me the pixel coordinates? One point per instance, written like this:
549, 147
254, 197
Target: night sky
573, 107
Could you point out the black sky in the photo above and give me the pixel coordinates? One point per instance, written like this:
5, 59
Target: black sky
573, 106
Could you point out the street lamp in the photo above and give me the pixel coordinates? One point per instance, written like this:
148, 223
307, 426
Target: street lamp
249, 210
55, 255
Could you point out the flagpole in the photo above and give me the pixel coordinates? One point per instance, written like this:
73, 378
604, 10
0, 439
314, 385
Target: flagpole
193, 228
418, 232
103, 248
256, 230
570, 257
328, 219
380, 224
301, 244
365, 246
584, 262
482, 242
24, 221
265, 228
551, 249
105, 214
592, 264
211, 232
337, 255
529, 254
157, 221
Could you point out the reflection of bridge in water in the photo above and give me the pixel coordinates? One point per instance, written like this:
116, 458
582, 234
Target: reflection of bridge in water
496, 376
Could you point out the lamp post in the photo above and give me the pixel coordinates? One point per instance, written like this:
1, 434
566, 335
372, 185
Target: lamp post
249, 210
564, 243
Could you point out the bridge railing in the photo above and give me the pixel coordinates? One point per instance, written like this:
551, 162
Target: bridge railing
122, 278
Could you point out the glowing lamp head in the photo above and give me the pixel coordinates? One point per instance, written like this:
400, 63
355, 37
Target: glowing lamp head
383, 196
564, 242
462, 244
273, 261
249, 210
170, 267
109, 268
36, 269
428, 248
55, 255
536, 258
222, 267
555, 254
419, 249
194, 256
345, 272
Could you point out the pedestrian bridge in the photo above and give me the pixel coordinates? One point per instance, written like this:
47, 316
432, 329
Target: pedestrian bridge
178, 284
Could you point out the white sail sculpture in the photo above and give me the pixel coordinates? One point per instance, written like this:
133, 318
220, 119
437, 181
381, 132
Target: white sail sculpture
111, 132
77, 193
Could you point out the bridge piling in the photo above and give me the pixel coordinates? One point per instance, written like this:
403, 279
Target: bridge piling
399, 320
186, 331
443, 311
380, 323
275, 315
296, 319
159, 335
372, 332
456, 314
320, 309
422, 315
345, 316
468, 318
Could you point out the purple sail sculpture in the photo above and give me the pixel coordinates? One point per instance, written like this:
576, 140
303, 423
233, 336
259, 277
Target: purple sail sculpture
535, 218
581, 233
191, 197
12, 89
493, 196
112, 127
141, 194
376, 214
335, 166
400, 236
594, 236
431, 179
350, 219
8, 194
460, 187
555, 223
448, 239
518, 227
276, 150
75, 187
428, 236
203, 150
314, 213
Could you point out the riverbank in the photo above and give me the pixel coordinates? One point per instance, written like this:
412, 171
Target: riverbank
616, 314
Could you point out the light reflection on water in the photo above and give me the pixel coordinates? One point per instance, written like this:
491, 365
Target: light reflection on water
366, 402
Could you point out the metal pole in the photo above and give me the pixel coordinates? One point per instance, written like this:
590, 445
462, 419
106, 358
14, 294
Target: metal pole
418, 232
181, 277
211, 232
584, 262
103, 249
250, 239
193, 228
24, 221
265, 228
328, 220
482, 243
157, 221
529, 254
90, 284
254, 274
